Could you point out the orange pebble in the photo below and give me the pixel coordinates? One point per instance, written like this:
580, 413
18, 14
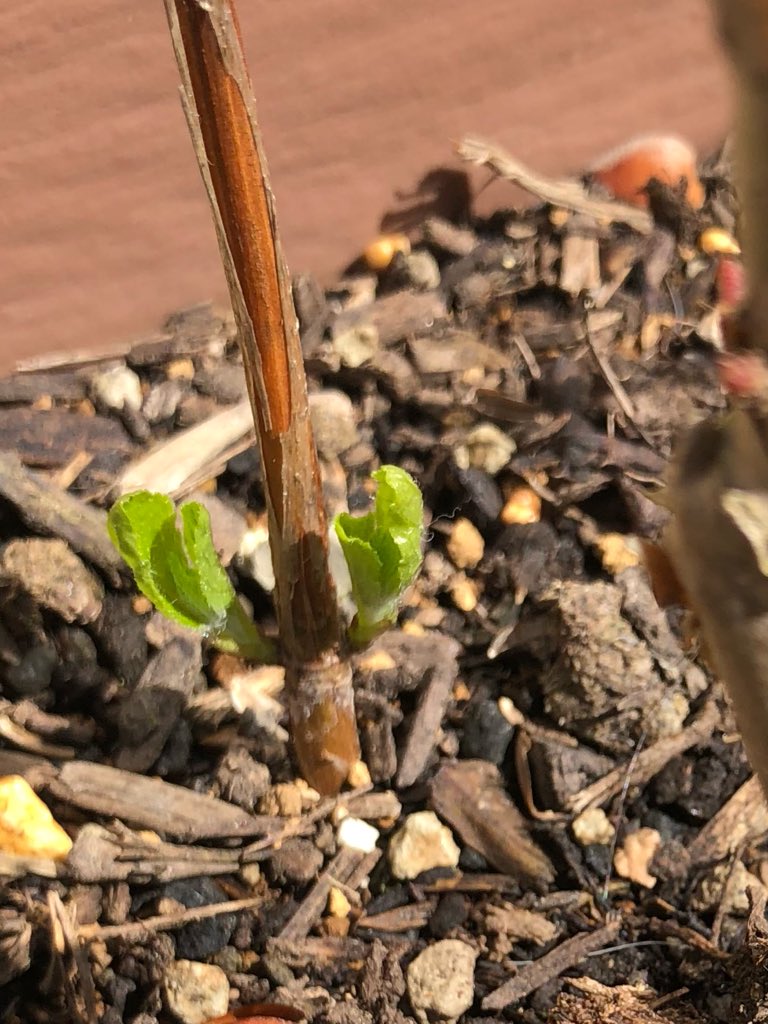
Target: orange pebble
628, 169
522, 506
379, 253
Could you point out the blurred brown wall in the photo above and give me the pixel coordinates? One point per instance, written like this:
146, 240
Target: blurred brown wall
103, 223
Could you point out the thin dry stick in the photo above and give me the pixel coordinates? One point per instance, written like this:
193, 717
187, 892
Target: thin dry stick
220, 109
138, 930
615, 386
78, 983
645, 764
551, 965
565, 192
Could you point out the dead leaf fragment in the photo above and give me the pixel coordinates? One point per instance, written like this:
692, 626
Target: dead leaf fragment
469, 795
592, 1003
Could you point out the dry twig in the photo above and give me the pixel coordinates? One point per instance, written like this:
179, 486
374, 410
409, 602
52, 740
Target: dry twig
648, 762
549, 966
138, 930
565, 192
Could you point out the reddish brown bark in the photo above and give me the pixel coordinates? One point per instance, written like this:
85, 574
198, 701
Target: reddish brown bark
221, 114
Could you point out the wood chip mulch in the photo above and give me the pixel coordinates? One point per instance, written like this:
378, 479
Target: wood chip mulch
557, 821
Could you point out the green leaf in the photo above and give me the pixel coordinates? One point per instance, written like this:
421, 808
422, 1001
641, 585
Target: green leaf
382, 550
179, 571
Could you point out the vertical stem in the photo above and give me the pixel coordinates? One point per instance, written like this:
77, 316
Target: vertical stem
220, 110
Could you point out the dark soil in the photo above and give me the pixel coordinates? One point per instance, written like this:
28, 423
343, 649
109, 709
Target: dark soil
532, 372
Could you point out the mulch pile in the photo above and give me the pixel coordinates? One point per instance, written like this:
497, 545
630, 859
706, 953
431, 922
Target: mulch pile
555, 820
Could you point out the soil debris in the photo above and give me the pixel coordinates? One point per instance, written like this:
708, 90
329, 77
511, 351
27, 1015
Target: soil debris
535, 712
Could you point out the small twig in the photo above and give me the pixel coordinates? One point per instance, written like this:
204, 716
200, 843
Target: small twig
649, 762
523, 744
67, 940
615, 386
565, 192
359, 875
29, 741
620, 810
725, 893
67, 475
742, 819
340, 868
551, 965
172, 463
300, 826
400, 919
163, 922
669, 997
528, 355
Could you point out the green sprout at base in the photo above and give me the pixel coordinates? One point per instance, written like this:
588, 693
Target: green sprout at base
180, 572
383, 551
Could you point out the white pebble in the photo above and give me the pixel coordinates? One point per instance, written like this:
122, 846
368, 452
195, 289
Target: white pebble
117, 388
357, 835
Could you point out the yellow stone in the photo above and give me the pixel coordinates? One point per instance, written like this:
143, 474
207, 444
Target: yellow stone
377, 661
27, 827
617, 552
379, 253
338, 904
358, 775
464, 593
413, 629
465, 546
180, 369
718, 240
522, 506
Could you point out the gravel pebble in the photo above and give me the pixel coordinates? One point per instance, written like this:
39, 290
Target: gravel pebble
52, 574
422, 843
117, 388
195, 992
441, 980
485, 447
593, 827
465, 546
451, 912
357, 835
334, 422
297, 860
487, 733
